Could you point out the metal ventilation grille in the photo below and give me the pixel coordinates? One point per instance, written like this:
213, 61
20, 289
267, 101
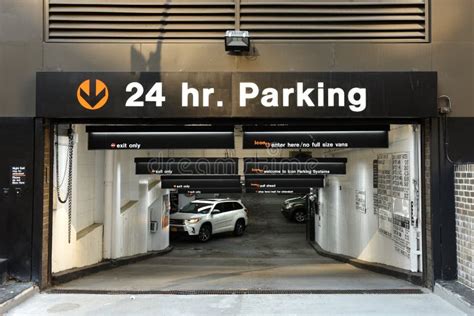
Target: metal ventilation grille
149, 20
400, 21
138, 20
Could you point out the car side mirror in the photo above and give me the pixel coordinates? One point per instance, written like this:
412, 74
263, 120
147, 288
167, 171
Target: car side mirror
216, 211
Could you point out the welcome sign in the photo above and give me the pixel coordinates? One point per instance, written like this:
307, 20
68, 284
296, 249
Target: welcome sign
124, 95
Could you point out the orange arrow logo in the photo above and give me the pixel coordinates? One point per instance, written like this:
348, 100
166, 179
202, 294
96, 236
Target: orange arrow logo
92, 94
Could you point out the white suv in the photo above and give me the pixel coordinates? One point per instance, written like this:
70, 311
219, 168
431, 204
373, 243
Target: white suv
203, 218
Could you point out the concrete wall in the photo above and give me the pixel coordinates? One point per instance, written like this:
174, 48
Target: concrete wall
89, 189
158, 211
23, 52
87, 207
343, 229
464, 194
130, 228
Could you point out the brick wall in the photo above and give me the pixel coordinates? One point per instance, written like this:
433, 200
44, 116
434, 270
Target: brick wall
428, 249
464, 194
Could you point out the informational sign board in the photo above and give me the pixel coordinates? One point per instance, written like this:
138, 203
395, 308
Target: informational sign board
401, 234
361, 201
155, 95
282, 185
18, 175
375, 168
294, 166
392, 199
308, 137
282, 190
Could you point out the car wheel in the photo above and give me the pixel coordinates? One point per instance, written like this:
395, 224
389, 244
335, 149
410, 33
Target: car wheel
299, 216
239, 228
205, 233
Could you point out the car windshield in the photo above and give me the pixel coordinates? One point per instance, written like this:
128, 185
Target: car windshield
197, 208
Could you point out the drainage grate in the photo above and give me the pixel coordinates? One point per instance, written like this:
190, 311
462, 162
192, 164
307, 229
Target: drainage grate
234, 292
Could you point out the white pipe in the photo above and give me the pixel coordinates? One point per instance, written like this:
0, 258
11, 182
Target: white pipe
108, 203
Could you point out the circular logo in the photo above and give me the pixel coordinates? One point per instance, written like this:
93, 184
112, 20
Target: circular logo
92, 94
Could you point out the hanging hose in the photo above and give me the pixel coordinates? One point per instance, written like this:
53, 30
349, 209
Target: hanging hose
68, 168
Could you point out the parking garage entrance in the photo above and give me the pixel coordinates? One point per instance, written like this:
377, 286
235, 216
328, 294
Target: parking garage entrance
249, 196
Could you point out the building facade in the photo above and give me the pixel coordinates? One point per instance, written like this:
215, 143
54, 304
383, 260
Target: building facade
312, 36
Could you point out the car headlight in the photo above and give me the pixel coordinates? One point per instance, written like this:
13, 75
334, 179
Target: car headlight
193, 220
288, 206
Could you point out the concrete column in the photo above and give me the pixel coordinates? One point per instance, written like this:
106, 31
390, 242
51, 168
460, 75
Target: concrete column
117, 231
108, 202
143, 220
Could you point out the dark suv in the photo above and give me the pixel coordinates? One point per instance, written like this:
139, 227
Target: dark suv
295, 209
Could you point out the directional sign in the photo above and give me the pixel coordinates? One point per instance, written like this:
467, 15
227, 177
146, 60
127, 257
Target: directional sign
186, 166
199, 182
278, 182
210, 190
159, 137
92, 94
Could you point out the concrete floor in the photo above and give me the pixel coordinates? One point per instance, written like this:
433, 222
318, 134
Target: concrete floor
210, 305
273, 254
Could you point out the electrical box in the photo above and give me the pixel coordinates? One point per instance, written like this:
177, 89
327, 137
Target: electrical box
153, 226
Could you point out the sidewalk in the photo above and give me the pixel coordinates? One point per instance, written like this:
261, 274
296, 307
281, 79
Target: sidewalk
209, 305
456, 294
15, 293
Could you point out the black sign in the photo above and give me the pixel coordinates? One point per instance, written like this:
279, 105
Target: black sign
294, 166
123, 95
18, 175
200, 182
210, 190
259, 183
158, 137
310, 137
186, 166
293, 190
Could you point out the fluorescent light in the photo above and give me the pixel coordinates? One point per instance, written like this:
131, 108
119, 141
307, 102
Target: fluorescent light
159, 133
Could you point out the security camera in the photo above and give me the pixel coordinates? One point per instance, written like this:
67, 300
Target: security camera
237, 41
